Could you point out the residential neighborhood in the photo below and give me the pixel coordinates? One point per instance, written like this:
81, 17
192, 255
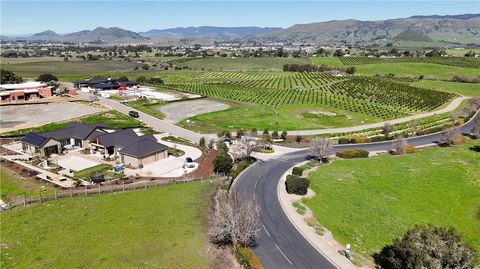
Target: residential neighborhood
244, 135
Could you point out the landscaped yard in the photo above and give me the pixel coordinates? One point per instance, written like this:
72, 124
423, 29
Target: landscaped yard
154, 228
369, 202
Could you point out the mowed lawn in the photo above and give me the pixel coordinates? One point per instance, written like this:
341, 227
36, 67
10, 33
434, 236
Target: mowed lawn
369, 202
416, 69
467, 89
154, 228
12, 185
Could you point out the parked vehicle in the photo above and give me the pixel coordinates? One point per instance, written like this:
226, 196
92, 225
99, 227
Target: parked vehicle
189, 163
133, 114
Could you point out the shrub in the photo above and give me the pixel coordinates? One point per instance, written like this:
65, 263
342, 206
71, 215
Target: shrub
222, 163
459, 122
201, 143
410, 148
298, 139
297, 171
352, 153
47, 78
247, 258
297, 185
426, 247
343, 140
359, 139
283, 135
377, 139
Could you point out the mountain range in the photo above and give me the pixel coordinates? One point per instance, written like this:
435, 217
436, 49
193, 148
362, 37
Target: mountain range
452, 29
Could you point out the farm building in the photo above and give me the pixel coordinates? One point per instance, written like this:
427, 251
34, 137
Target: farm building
24, 91
124, 145
101, 84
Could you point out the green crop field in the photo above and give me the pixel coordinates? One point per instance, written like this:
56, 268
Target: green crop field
68, 68
369, 202
154, 228
467, 89
275, 95
451, 61
239, 64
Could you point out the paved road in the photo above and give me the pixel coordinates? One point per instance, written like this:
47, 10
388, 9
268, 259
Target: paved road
157, 124
279, 244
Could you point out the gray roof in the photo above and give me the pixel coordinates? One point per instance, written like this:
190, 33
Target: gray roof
75, 130
143, 148
121, 138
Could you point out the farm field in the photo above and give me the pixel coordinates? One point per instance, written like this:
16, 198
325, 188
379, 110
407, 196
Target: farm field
33, 69
240, 64
369, 202
467, 89
416, 69
274, 98
451, 61
154, 228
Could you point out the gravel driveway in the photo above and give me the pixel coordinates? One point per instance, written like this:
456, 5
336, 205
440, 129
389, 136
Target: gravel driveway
178, 111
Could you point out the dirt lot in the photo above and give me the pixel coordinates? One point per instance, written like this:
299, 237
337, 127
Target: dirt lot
25, 116
178, 111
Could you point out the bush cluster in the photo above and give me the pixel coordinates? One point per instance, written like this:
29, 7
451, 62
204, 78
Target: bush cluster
247, 258
297, 185
352, 153
314, 68
409, 148
297, 171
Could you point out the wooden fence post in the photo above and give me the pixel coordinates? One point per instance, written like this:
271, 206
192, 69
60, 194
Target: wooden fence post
145, 185
123, 186
40, 195
99, 190
85, 190
71, 193
56, 198
24, 200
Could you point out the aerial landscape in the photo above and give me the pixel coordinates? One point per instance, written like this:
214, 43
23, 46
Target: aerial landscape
240, 134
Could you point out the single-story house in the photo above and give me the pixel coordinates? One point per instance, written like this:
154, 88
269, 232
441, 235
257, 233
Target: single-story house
125, 144
24, 91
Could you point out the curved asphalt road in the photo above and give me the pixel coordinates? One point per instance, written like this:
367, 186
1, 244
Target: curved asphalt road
279, 244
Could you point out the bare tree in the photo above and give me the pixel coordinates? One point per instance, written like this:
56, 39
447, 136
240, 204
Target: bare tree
476, 127
413, 126
449, 136
234, 219
244, 146
387, 129
320, 148
399, 145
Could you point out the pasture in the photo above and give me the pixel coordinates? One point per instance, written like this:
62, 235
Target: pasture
369, 202
154, 228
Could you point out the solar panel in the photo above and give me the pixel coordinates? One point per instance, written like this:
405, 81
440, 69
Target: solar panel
34, 139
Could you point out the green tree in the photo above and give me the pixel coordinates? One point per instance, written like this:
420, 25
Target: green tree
47, 78
8, 77
426, 247
201, 143
283, 135
222, 164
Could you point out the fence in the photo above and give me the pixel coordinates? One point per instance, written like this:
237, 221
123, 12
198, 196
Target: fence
99, 189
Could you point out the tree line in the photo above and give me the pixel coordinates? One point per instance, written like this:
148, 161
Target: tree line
315, 68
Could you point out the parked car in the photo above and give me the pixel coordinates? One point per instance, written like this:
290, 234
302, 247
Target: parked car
133, 114
189, 163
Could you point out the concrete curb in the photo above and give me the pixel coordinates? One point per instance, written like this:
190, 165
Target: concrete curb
323, 247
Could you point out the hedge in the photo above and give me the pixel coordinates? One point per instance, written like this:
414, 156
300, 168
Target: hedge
352, 153
297, 185
343, 140
247, 258
297, 171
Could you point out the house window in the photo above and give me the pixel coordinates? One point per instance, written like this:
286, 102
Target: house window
65, 142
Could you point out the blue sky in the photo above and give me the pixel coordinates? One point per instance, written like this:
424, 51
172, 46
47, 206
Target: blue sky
26, 17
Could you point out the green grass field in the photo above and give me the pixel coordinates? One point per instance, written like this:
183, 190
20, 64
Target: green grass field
369, 202
12, 185
467, 89
293, 117
154, 228
416, 69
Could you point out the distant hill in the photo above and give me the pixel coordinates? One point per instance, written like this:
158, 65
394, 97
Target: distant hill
210, 32
458, 29
100, 34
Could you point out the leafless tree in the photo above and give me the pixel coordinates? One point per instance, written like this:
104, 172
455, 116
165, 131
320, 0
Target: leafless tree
320, 148
234, 219
387, 129
476, 127
399, 145
449, 136
413, 126
244, 146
